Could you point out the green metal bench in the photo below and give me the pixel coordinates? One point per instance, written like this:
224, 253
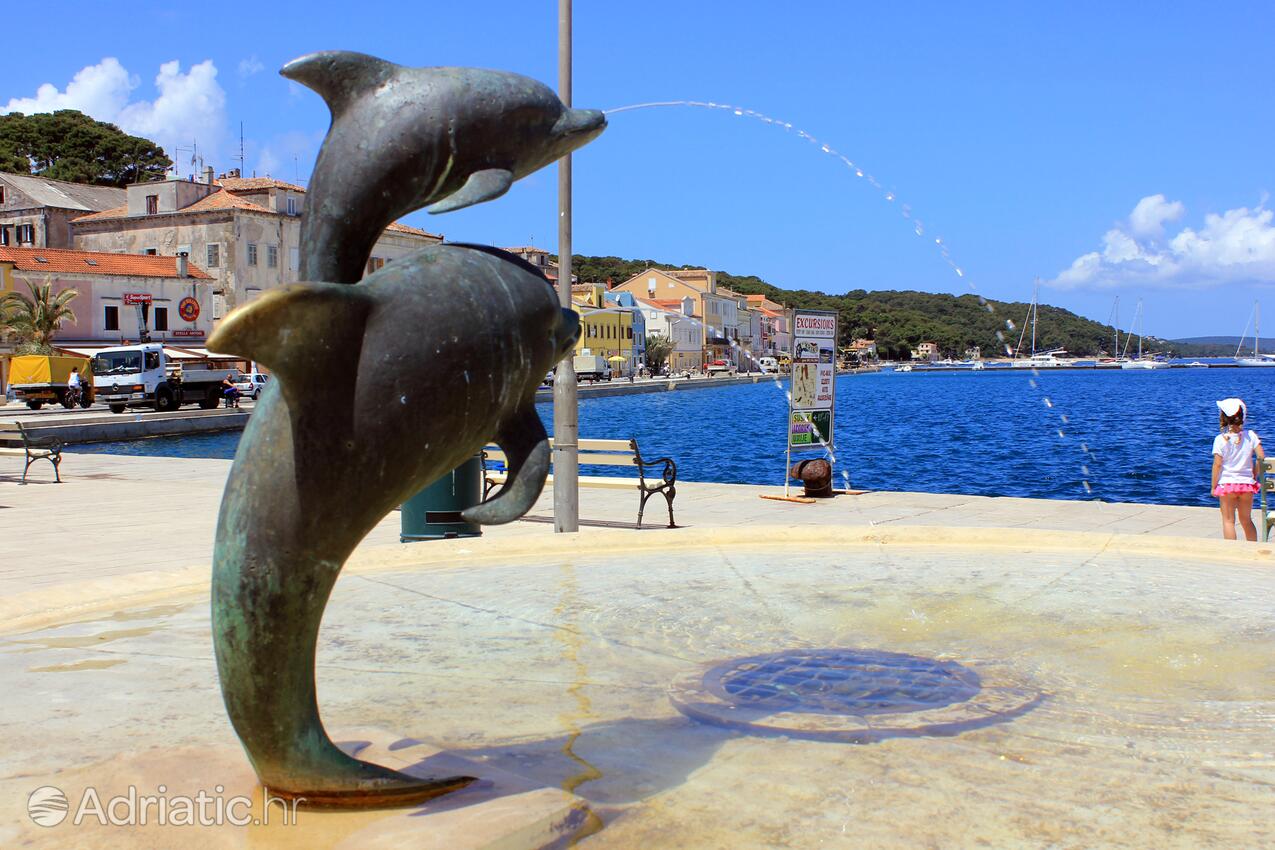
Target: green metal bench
40, 448
662, 472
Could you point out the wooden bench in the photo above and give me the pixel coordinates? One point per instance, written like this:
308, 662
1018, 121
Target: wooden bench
623, 453
40, 448
1266, 481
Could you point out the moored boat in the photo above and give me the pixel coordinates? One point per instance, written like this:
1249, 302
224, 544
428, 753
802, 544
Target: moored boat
1148, 361
1258, 358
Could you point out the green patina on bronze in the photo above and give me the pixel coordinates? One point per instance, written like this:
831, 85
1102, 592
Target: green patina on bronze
382, 386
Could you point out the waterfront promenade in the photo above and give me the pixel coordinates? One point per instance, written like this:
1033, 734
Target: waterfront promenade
97, 424
144, 525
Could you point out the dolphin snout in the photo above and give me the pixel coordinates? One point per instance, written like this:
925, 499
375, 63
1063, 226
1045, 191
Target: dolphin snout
569, 333
575, 122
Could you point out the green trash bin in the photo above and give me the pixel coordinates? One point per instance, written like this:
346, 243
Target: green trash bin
434, 513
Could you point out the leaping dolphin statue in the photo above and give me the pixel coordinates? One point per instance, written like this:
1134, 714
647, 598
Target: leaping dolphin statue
406, 138
382, 387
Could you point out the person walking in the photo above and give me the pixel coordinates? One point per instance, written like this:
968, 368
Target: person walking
1234, 482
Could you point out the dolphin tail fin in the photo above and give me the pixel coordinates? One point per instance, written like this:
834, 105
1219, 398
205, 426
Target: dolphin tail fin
526, 445
485, 185
338, 75
290, 328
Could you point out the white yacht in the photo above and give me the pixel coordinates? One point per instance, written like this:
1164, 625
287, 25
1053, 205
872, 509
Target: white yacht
905, 367
1043, 360
1258, 359
1051, 359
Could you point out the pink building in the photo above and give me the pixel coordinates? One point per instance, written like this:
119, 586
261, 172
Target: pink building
112, 290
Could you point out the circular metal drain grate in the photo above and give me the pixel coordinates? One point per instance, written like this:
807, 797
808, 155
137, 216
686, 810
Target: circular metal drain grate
848, 694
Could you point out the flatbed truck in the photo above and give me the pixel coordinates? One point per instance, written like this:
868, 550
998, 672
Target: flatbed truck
145, 376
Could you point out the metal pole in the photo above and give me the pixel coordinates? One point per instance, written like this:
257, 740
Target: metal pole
566, 418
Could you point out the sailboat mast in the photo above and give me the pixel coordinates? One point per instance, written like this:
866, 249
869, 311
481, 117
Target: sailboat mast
1115, 324
1035, 311
1139, 331
1257, 326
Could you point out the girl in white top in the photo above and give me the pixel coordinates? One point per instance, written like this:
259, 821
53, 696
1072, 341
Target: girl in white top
1233, 481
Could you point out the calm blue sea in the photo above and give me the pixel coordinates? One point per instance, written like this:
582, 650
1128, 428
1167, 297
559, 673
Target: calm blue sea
1147, 434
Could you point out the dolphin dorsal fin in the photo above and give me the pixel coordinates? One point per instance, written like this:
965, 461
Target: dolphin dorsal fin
339, 75
298, 331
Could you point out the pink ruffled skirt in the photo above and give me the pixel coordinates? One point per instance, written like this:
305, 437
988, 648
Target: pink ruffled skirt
1232, 489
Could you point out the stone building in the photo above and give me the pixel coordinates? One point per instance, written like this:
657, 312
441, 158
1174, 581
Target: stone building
36, 212
245, 231
545, 262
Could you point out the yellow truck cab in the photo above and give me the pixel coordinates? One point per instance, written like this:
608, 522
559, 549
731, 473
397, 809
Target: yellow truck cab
40, 379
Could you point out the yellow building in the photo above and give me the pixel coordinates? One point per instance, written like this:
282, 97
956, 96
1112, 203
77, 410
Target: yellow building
603, 333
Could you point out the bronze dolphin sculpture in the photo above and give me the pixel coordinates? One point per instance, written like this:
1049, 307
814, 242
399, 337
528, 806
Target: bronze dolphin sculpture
406, 138
382, 387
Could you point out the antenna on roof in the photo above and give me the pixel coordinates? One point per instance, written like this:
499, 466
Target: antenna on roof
241, 147
195, 157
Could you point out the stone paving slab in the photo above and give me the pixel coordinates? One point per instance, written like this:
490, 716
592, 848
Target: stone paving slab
117, 515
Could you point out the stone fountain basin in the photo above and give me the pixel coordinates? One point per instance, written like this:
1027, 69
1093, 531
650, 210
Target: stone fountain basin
1122, 693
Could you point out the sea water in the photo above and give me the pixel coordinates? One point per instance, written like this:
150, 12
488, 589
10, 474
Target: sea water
1134, 436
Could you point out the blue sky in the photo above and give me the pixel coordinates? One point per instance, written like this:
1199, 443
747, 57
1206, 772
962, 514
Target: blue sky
1033, 141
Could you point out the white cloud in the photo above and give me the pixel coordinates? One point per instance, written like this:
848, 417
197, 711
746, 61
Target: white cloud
1149, 216
98, 90
250, 66
189, 106
1235, 246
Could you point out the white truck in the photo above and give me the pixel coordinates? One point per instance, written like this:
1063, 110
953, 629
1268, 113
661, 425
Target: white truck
591, 367
145, 376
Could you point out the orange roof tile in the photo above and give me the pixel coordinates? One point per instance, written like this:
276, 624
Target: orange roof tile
219, 200
56, 260
225, 201
255, 184
115, 212
396, 227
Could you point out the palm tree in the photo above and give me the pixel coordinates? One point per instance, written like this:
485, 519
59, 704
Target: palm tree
36, 319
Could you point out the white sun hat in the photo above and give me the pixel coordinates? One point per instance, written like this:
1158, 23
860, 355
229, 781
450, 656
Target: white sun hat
1232, 406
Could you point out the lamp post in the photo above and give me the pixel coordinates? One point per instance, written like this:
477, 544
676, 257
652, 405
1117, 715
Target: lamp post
566, 414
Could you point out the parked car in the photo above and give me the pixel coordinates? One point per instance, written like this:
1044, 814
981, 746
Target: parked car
717, 367
251, 385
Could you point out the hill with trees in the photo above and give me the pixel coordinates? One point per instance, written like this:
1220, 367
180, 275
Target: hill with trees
69, 145
901, 320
